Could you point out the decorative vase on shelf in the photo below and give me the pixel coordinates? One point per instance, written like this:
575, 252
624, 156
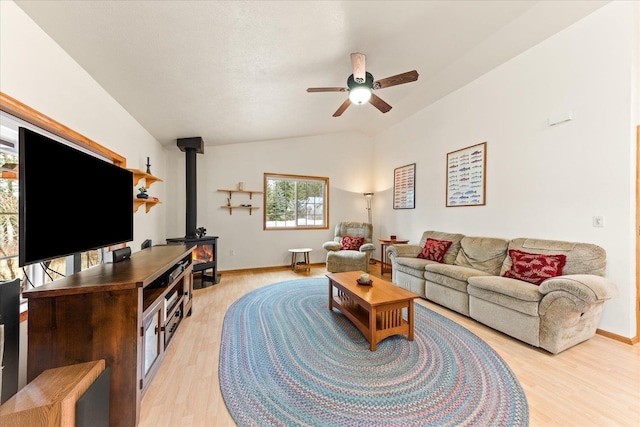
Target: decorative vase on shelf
142, 194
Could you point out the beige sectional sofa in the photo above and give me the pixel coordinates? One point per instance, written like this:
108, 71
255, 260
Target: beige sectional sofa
555, 314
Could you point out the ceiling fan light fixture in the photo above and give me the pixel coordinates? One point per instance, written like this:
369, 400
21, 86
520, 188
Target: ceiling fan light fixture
359, 95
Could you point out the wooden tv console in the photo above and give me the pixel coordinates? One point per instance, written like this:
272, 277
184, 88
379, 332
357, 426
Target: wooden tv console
125, 313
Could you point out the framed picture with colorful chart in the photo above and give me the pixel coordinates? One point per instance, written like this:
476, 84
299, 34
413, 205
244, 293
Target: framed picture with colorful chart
404, 187
466, 176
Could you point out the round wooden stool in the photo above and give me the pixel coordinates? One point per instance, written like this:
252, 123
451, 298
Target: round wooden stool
300, 265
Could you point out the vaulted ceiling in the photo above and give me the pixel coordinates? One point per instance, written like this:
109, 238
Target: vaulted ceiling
237, 71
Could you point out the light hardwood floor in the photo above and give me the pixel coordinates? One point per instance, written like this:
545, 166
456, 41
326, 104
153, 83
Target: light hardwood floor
596, 383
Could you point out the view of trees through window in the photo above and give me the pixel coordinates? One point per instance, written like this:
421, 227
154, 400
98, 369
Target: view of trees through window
36, 274
56, 268
8, 213
295, 201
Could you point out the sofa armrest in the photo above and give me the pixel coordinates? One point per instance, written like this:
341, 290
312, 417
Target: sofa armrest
403, 250
571, 308
367, 247
587, 287
331, 246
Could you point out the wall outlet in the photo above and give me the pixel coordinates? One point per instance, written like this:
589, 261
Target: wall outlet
231, 252
598, 221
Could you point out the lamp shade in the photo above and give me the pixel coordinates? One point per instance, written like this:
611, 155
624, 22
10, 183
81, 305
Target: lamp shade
368, 197
359, 95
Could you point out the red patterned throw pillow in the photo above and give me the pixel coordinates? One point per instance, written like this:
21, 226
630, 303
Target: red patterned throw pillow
434, 250
351, 243
534, 268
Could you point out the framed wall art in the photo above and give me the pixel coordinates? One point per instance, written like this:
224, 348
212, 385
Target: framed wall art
466, 176
404, 187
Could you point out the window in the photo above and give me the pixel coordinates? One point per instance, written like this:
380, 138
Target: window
8, 205
295, 202
35, 274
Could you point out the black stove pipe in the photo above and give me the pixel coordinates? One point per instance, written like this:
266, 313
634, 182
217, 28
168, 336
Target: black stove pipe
191, 146
191, 193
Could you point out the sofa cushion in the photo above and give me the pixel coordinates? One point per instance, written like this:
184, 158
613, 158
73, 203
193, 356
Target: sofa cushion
451, 276
482, 253
515, 288
452, 252
512, 293
582, 258
347, 261
534, 268
434, 250
351, 243
413, 266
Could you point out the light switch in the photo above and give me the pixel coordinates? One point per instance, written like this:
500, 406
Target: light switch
598, 221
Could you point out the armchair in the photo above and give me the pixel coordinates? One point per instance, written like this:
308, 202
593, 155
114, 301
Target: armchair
348, 234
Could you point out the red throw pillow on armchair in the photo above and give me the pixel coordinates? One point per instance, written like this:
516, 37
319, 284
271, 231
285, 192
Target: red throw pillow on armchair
534, 268
434, 250
351, 243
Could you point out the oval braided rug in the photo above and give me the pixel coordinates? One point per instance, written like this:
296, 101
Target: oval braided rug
286, 360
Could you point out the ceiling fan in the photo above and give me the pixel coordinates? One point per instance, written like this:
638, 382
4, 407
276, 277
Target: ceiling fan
360, 85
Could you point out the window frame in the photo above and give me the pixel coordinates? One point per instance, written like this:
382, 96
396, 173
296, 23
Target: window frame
12, 107
296, 178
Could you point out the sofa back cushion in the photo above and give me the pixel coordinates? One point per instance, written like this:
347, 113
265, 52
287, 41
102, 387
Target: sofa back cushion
482, 253
454, 238
581, 258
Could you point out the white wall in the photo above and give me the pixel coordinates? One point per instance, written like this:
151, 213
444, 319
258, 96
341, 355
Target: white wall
345, 158
542, 181
39, 73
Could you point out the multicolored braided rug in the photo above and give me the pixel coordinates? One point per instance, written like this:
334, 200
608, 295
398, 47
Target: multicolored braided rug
286, 360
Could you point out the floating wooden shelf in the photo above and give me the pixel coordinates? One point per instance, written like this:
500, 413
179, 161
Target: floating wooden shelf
149, 203
249, 192
9, 171
232, 207
9, 175
139, 174
249, 208
149, 179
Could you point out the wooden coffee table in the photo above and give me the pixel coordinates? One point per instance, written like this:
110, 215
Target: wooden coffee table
376, 310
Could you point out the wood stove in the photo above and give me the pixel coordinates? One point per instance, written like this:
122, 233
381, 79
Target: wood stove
205, 255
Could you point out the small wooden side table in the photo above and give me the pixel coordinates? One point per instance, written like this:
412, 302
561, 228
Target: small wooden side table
300, 265
385, 265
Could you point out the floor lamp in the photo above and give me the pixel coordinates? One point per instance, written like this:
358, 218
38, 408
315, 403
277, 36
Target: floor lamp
368, 197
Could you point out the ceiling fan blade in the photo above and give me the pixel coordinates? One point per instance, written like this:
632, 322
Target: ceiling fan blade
379, 103
343, 107
358, 63
408, 77
327, 89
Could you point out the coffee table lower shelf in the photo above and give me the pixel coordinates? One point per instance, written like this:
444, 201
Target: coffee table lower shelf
388, 319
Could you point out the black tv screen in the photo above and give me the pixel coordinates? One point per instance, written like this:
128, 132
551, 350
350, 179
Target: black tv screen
70, 201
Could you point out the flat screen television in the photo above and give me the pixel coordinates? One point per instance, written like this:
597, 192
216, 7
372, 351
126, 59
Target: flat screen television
69, 201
